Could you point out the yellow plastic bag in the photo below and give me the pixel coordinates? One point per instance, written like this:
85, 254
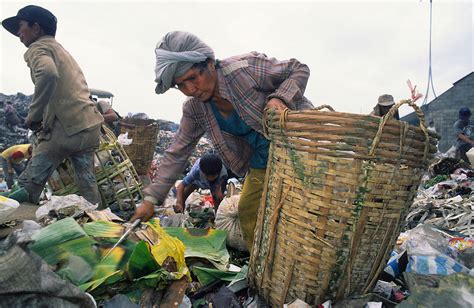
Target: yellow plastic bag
168, 246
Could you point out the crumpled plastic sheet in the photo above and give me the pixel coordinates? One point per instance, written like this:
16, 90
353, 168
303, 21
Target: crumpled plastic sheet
69, 205
429, 253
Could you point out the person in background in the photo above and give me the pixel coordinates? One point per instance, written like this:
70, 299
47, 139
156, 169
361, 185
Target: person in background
208, 172
12, 117
464, 133
3, 184
111, 117
226, 99
431, 126
12, 160
65, 120
385, 102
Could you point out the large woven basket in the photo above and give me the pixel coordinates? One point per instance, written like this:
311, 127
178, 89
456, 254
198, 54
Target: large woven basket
144, 133
117, 180
337, 187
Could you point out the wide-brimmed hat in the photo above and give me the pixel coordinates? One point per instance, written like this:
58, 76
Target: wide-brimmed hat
32, 13
386, 100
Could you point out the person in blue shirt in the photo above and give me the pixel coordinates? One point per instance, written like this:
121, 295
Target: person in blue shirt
208, 172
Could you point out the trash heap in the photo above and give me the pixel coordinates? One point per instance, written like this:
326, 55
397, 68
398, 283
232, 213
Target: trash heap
165, 138
17, 135
174, 258
446, 198
433, 262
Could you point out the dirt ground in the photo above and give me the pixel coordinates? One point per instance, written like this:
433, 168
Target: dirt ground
26, 211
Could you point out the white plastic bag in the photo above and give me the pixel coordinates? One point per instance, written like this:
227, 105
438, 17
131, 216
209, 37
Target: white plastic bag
470, 155
227, 218
123, 139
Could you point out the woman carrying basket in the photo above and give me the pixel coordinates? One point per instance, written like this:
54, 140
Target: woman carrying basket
225, 99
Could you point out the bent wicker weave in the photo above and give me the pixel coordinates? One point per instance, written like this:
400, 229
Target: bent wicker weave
144, 134
337, 187
115, 174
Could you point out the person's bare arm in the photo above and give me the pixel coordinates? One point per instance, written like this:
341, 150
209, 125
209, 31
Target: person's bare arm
466, 139
182, 193
110, 116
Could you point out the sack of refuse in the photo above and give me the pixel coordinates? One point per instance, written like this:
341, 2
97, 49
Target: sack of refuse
227, 218
470, 156
7, 206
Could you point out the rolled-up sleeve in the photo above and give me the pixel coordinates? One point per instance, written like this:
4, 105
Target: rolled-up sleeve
175, 157
285, 80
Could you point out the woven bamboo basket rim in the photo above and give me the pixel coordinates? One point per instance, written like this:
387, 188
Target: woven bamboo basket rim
306, 119
140, 121
272, 117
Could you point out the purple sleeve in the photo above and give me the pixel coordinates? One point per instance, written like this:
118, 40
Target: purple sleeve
174, 160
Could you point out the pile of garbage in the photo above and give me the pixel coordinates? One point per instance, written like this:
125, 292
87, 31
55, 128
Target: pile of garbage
17, 134
185, 258
165, 138
432, 264
446, 198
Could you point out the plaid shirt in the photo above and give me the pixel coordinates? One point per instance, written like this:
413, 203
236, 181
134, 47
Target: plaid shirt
247, 81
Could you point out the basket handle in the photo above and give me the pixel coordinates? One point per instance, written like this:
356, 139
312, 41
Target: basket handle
390, 115
324, 106
266, 113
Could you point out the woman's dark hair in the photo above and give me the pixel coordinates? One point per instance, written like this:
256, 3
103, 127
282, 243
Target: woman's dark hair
202, 66
210, 164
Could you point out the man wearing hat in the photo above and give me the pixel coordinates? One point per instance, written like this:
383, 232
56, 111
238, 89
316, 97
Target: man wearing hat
64, 118
384, 104
225, 99
464, 133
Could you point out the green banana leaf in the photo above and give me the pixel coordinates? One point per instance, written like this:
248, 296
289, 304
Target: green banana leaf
55, 253
78, 254
62, 231
109, 279
103, 228
141, 262
64, 244
156, 280
110, 263
204, 243
208, 275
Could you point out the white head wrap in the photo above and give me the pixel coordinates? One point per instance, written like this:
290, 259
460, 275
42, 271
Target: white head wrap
175, 54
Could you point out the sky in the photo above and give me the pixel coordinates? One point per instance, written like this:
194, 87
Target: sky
356, 50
